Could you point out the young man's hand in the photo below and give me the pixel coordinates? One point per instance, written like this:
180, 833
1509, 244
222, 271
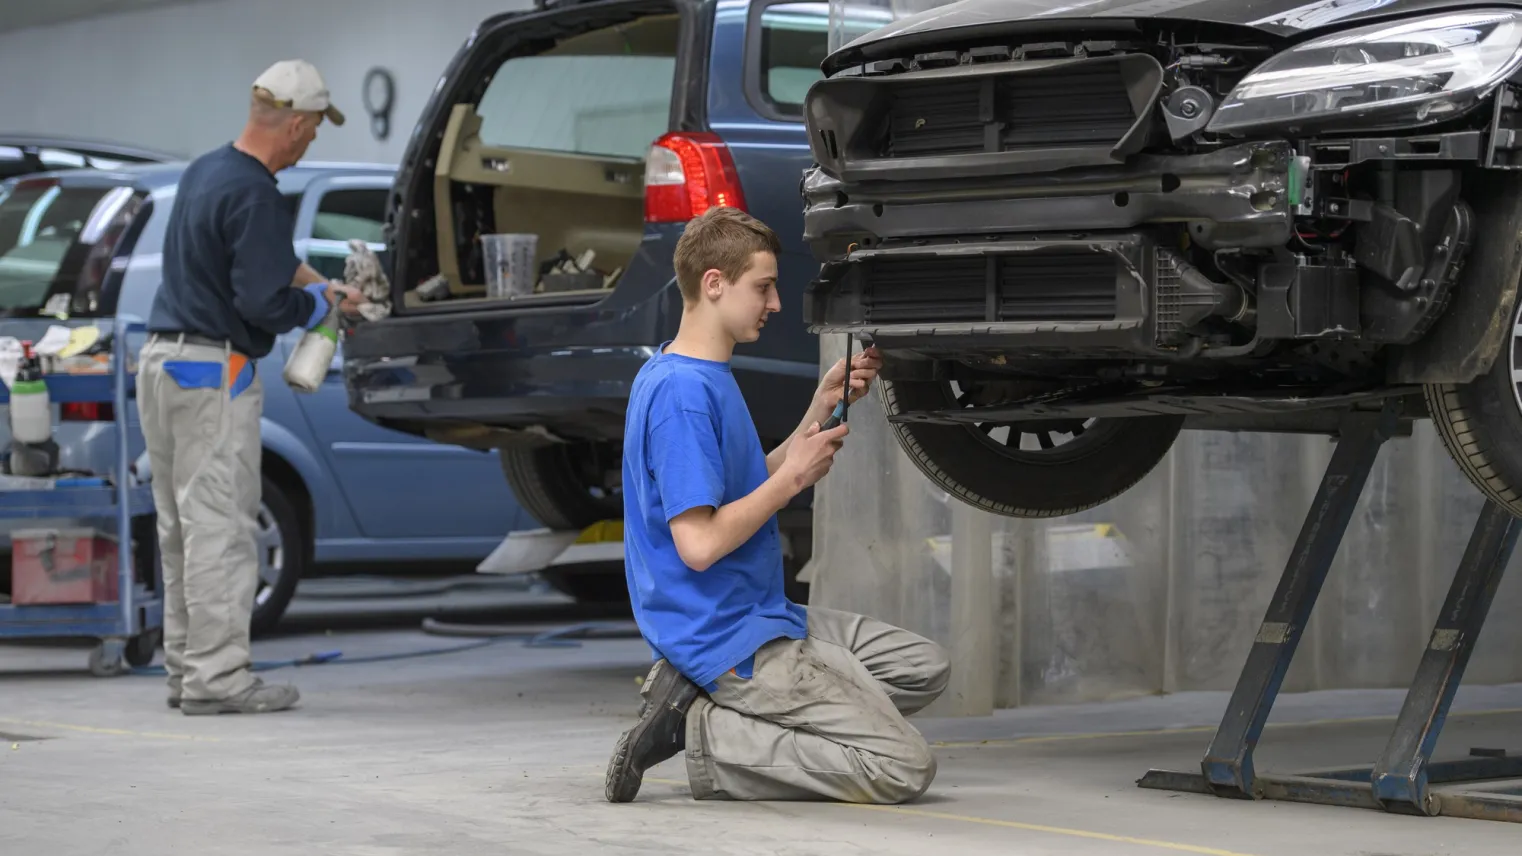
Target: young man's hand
810, 456
864, 369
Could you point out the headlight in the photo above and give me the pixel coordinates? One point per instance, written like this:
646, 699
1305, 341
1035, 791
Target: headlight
1408, 73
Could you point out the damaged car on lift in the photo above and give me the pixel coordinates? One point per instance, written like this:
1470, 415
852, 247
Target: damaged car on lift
1075, 229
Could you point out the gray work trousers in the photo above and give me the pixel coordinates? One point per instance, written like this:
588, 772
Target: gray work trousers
204, 450
820, 717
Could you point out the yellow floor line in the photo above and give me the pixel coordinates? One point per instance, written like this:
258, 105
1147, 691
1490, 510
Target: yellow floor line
116, 732
1013, 824
1054, 830
1193, 729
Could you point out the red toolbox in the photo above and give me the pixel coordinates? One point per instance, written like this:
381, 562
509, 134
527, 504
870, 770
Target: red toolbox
63, 566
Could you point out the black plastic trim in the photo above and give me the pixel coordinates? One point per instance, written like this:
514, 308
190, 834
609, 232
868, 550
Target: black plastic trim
1170, 403
838, 301
846, 109
1224, 191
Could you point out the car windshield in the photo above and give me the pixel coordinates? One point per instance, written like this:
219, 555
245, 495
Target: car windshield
56, 243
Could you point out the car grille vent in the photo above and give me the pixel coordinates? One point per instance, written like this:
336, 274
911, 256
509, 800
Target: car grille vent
1082, 105
1169, 298
1029, 286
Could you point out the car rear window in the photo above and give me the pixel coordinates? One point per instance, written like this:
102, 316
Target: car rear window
56, 243
584, 98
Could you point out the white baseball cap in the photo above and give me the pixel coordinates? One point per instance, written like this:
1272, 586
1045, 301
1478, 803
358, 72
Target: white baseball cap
296, 84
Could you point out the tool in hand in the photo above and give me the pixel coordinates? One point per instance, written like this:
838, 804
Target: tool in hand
839, 416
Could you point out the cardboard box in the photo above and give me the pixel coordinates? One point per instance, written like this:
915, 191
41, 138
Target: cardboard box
63, 566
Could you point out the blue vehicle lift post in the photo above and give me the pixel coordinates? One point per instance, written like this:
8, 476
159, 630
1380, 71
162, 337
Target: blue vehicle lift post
1403, 779
130, 628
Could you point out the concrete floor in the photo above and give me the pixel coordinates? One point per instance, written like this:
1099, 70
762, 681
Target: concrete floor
500, 750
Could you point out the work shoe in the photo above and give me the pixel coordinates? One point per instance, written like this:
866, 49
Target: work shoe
258, 698
174, 692
660, 733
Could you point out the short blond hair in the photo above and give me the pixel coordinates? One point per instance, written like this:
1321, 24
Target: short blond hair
723, 239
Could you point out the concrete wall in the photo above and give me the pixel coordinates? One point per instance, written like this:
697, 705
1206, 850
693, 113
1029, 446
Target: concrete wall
177, 77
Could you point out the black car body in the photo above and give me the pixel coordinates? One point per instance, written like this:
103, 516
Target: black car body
600, 126
1075, 229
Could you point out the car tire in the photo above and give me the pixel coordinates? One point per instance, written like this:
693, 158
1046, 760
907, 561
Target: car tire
1104, 459
284, 552
551, 485
1480, 423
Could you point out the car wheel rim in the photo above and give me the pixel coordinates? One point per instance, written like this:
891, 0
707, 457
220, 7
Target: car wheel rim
1036, 441
270, 548
601, 474
1514, 363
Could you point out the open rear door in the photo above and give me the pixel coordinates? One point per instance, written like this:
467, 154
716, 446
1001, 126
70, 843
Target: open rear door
375, 466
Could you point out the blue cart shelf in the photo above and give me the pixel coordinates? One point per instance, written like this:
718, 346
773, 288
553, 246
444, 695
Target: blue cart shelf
130, 629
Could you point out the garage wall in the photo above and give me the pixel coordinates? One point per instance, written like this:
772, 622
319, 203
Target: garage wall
177, 77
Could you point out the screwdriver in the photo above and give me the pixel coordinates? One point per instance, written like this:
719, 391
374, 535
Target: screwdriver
839, 416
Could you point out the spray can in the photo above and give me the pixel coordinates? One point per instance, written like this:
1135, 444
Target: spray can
309, 361
31, 409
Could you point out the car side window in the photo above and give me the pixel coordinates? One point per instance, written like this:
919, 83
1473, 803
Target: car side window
794, 38
344, 215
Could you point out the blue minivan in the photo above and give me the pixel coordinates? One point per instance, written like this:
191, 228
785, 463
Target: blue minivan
82, 245
599, 128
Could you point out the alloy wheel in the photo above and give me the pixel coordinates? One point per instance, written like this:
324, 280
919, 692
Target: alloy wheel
270, 548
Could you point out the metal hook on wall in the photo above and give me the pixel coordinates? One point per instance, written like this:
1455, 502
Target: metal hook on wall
380, 113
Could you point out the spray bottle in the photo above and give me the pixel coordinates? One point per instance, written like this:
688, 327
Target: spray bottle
313, 355
33, 452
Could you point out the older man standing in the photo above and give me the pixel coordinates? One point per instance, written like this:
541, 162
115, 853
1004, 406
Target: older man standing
232, 283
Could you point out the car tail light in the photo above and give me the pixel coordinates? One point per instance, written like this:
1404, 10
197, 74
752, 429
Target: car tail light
687, 174
87, 411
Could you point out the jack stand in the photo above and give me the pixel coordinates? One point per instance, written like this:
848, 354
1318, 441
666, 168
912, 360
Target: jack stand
1400, 780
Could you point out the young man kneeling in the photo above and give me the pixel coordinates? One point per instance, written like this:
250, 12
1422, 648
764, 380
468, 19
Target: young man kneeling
770, 701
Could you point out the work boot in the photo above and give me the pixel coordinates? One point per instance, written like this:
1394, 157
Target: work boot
660, 733
175, 690
258, 698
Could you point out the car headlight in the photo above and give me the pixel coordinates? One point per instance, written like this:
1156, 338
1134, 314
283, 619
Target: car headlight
1411, 72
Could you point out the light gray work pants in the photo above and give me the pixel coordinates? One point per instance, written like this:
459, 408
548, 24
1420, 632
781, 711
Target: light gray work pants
204, 450
820, 717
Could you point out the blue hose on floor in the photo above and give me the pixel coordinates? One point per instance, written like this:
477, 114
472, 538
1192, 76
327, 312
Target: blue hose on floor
560, 637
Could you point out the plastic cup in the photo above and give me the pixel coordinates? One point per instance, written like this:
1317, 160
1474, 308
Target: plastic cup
509, 261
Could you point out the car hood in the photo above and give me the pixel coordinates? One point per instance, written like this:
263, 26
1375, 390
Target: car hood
1278, 18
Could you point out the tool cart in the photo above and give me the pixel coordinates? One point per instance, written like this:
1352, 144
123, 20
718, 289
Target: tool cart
123, 612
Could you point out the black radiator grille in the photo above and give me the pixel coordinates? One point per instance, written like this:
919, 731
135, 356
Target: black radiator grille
1084, 104
1017, 287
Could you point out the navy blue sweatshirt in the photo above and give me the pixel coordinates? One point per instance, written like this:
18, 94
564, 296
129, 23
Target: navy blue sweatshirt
228, 257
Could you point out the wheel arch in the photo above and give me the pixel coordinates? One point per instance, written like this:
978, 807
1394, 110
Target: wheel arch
1468, 337
280, 471
292, 466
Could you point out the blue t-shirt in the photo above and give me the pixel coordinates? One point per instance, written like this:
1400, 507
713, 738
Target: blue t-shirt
689, 441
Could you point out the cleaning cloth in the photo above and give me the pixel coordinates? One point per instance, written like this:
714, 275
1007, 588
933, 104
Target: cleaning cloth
362, 270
